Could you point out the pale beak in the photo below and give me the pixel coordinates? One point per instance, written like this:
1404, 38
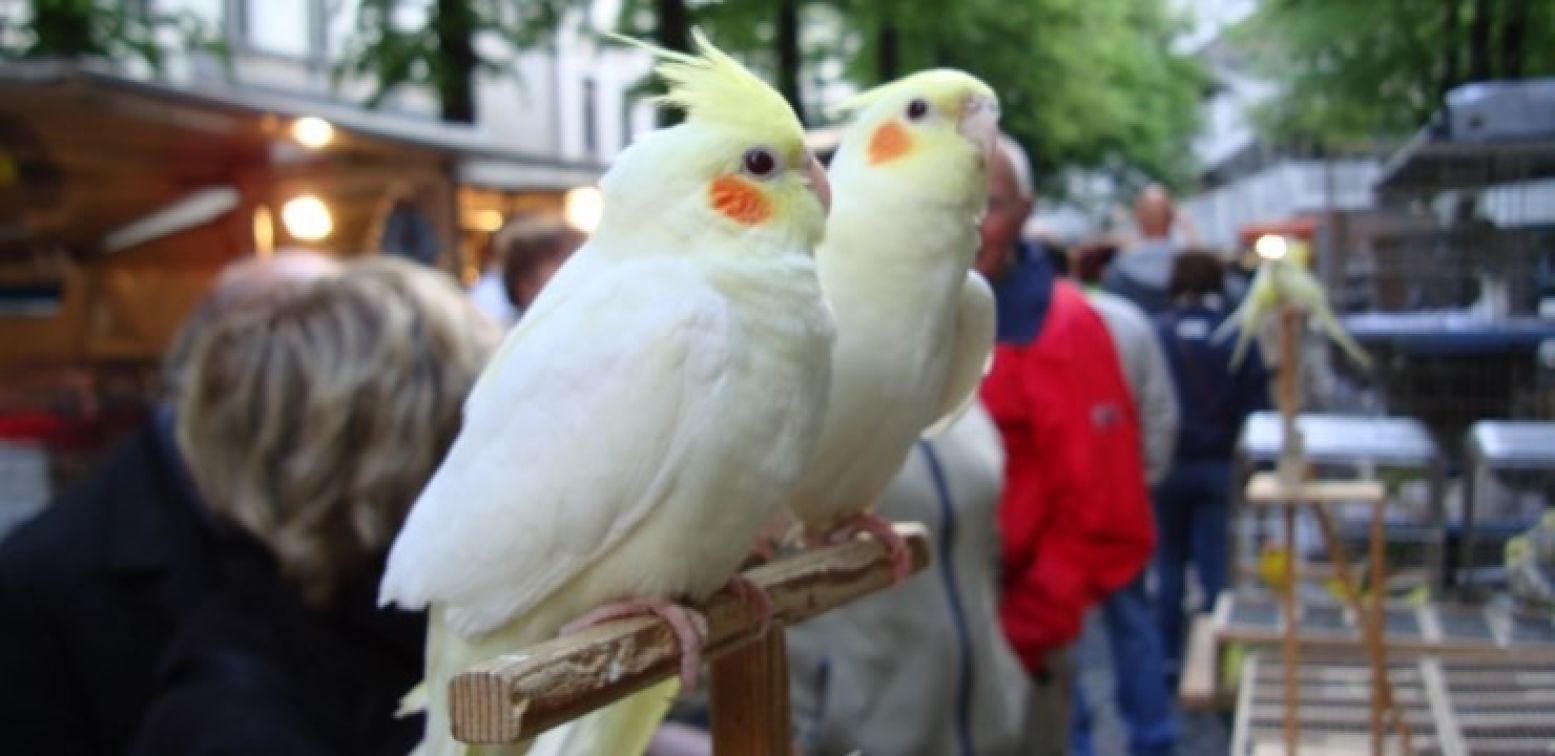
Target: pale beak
980, 123
819, 184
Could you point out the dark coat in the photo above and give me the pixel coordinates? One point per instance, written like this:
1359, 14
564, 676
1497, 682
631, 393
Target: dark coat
90, 593
255, 671
1213, 398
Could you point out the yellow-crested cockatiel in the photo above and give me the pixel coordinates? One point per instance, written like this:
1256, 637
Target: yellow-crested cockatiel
915, 326
1283, 278
650, 412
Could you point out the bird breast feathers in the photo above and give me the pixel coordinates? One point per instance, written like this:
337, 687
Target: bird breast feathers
567, 441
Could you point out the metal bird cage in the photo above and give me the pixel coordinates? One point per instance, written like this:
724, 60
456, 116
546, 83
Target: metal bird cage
1509, 481
1396, 450
1456, 295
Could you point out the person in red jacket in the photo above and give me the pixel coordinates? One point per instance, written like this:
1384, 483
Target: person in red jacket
1075, 520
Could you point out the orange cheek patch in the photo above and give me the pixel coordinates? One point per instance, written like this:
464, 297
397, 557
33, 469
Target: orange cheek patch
889, 142
739, 199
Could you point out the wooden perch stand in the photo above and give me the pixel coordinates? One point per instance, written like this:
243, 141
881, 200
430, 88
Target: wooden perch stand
518, 696
1290, 488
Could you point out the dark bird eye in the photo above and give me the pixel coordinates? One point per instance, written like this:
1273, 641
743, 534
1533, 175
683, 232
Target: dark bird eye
917, 109
760, 162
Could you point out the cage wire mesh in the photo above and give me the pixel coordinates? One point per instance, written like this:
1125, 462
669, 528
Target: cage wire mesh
1449, 283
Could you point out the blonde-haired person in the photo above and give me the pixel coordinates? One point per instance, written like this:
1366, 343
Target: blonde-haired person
310, 421
93, 588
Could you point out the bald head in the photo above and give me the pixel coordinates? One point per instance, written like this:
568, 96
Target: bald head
1154, 212
244, 281
252, 277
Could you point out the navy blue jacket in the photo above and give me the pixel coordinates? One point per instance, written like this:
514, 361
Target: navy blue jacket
1023, 295
1213, 398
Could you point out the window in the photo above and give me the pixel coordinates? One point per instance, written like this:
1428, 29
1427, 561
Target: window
628, 108
279, 27
590, 118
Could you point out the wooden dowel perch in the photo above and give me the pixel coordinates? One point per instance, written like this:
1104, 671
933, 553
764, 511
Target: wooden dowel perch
518, 696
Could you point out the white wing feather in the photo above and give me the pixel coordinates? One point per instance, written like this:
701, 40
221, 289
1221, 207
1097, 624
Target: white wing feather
972, 354
567, 442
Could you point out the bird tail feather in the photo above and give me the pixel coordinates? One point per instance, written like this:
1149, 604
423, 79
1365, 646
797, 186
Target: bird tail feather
1335, 331
413, 702
624, 727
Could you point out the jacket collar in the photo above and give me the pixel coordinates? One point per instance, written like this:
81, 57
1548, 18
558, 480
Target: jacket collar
1022, 297
163, 518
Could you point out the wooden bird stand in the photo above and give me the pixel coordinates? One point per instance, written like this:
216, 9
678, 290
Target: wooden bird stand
1267, 489
518, 696
1291, 488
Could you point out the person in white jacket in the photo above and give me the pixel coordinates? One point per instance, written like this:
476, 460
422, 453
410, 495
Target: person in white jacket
1138, 657
924, 667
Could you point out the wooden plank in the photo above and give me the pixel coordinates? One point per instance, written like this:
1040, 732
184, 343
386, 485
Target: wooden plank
1316, 712
1290, 644
1481, 716
1196, 690
1433, 638
1396, 644
1241, 729
750, 699
517, 696
1330, 720
1266, 489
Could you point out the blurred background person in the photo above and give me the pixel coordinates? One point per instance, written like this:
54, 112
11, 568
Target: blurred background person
1192, 504
924, 667
1074, 521
1140, 354
93, 588
310, 421
525, 253
1089, 261
1127, 617
1142, 272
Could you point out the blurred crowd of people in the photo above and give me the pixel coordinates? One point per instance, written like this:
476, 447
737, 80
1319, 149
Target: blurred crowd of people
211, 589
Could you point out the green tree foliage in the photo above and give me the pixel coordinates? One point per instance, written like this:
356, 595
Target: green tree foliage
441, 54
1354, 74
1089, 84
108, 29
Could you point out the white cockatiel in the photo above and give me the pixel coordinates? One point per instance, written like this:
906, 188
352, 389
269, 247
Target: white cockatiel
915, 326
652, 409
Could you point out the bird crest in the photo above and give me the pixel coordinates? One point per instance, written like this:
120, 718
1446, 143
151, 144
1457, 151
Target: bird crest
709, 86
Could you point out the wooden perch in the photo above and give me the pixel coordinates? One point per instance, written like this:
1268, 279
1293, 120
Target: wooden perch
518, 696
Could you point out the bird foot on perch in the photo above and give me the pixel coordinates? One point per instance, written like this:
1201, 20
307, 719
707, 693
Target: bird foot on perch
690, 628
881, 529
746, 590
513, 697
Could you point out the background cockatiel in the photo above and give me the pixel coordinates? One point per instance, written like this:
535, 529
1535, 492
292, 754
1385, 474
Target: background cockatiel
652, 409
1284, 279
915, 327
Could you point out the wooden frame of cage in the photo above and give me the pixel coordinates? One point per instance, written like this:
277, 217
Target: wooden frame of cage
1455, 707
1447, 630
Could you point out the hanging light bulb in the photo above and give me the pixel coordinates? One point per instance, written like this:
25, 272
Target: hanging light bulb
312, 132
583, 207
1270, 247
306, 217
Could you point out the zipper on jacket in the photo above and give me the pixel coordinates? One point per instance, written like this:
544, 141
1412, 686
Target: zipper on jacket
947, 571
